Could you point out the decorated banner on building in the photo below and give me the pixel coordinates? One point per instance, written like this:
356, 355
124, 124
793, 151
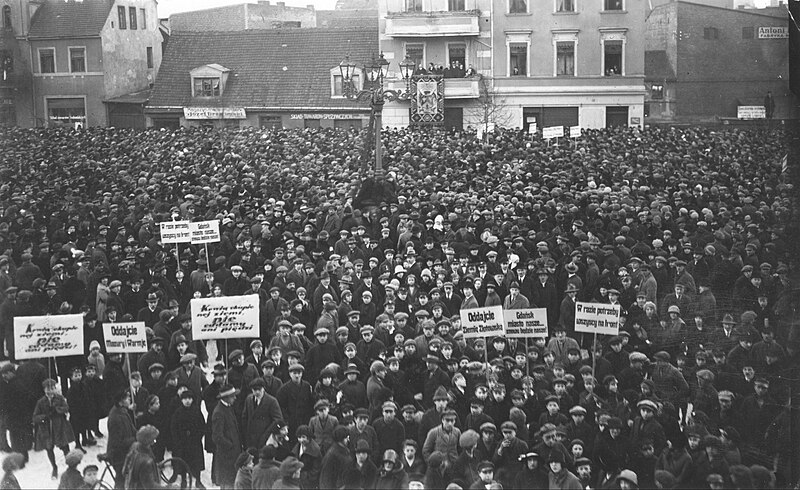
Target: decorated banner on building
599, 318
48, 336
175, 232
229, 317
482, 322
427, 100
204, 231
529, 322
125, 337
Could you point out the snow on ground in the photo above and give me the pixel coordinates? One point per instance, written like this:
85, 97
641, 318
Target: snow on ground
37, 473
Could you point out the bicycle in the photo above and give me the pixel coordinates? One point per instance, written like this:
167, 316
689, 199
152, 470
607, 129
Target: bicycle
170, 470
101, 484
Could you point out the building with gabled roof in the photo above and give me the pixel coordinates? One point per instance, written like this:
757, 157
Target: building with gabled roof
69, 57
270, 78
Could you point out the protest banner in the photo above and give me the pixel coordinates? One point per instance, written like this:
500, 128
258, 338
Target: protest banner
48, 336
225, 318
125, 337
175, 232
574, 131
597, 318
204, 231
529, 322
482, 322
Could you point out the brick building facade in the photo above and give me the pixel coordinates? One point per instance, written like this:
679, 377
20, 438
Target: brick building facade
720, 59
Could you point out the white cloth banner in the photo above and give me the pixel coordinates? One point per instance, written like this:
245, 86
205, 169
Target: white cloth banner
204, 231
599, 318
225, 318
175, 232
48, 336
526, 323
482, 322
125, 337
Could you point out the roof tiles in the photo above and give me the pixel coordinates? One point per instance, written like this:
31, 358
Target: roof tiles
286, 68
70, 18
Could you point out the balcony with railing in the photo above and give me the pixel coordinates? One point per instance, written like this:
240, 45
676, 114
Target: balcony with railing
454, 88
425, 18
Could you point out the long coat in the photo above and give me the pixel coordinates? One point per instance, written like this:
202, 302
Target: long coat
188, 428
227, 443
297, 402
50, 420
256, 419
334, 465
81, 407
121, 433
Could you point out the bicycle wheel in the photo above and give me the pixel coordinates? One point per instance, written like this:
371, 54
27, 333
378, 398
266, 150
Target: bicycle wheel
101, 485
173, 469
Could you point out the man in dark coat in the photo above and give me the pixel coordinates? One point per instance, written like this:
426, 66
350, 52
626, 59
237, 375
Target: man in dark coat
296, 399
260, 410
121, 431
336, 461
320, 354
188, 428
225, 433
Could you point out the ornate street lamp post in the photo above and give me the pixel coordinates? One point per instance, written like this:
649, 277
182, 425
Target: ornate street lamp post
376, 71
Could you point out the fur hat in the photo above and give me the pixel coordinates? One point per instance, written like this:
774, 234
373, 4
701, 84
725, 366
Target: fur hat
147, 435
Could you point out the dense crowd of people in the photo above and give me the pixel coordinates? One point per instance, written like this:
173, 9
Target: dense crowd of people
361, 376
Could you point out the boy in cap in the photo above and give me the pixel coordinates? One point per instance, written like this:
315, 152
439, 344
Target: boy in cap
51, 428
72, 478
81, 409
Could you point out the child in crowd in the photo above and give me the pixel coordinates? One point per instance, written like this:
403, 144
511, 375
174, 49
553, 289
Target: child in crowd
51, 427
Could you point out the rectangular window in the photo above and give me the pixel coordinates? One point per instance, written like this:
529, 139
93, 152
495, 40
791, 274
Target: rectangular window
149, 57
47, 60
338, 84
518, 59
143, 18
270, 122
455, 5
206, 87
6, 63
612, 4
710, 33
413, 5
66, 112
123, 17
416, 52
518, 7
747, 32
656, 91
457, 56
565, 5
612, 58
347, 124
77, 60
132, 13
565, 58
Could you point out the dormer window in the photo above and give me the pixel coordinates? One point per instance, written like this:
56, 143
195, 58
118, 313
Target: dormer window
209, 80
339, 86
206, 87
